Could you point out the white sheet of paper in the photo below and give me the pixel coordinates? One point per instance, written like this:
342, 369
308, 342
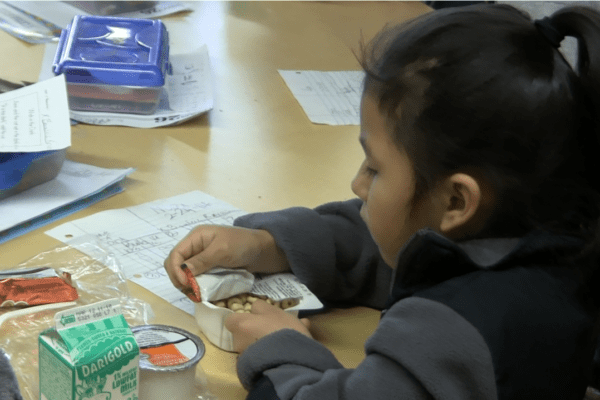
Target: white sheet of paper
188, 93
61, 13
327, 97
160, 9
142, 236
75, 181
35, 118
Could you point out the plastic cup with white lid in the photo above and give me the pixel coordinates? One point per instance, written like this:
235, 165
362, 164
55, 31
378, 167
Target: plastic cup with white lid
168, 360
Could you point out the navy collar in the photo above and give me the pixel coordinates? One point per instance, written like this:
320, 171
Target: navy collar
429, 258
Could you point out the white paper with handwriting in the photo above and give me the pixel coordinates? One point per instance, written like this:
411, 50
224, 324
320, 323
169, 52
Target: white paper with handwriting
327, 97
35, 118
142, 236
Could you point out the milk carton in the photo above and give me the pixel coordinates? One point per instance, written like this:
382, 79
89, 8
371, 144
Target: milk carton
91, 354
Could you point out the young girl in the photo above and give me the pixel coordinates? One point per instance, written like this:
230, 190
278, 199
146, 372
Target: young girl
475, 228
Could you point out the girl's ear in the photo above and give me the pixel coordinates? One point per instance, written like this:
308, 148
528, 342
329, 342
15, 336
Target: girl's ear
462, 201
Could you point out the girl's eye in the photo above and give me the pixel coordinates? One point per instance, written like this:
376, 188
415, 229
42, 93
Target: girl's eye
370, 171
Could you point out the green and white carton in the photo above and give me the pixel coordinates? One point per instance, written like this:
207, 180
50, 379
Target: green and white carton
90, 354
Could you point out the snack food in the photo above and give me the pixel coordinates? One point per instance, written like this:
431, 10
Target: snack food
192, 291
224, 293
243, 302
35, 286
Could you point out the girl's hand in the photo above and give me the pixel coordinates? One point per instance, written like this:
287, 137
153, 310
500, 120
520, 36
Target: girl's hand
263, 319
209, 246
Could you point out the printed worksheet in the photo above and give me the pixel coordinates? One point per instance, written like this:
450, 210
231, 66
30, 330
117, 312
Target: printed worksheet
327, 97
142, 236
35, 118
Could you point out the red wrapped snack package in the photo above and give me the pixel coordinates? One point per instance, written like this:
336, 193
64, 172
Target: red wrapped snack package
35, 286
193, 290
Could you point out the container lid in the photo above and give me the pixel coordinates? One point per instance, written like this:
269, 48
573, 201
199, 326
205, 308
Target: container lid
167, 348
114, 51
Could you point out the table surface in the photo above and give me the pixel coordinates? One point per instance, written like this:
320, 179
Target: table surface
256, 149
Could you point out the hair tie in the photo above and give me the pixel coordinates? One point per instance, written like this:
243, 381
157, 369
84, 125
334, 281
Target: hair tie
547, 29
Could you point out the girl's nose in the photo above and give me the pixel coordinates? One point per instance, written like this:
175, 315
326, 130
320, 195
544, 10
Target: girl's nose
358, 184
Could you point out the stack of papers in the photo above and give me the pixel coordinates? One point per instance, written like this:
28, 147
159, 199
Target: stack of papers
34, 119
76, 187
37, 118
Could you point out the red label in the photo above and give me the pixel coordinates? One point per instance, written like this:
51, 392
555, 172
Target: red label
164, 356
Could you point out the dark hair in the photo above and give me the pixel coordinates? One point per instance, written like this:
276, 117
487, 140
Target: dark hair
481, 88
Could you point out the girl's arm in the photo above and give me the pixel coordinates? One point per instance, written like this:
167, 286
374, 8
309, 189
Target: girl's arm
421, 349
330, 250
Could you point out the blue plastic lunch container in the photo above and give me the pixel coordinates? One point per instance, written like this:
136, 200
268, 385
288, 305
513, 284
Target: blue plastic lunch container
113, 64
22, 171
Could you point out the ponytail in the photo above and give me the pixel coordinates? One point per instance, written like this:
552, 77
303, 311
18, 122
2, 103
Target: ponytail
584, 24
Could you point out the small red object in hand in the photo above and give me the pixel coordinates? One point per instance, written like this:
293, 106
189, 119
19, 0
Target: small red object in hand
192, 290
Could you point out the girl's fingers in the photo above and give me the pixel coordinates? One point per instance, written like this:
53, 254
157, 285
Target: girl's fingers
175, 273
262, 307
189, 252
207, 247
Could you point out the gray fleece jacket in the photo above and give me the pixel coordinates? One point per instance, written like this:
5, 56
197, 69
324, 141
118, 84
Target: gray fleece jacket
485, 319
9, 387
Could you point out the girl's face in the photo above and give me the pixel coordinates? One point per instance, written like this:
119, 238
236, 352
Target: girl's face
386, 184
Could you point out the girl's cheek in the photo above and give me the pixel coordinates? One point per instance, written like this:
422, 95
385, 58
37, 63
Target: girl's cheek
363, 213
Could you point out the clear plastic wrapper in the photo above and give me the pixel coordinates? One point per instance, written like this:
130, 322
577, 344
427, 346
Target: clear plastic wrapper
97, 276
26, 26
112, 7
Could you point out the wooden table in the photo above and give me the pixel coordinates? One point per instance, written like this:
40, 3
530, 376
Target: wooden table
256, 149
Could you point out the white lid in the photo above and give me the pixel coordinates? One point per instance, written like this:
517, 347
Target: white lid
167, 348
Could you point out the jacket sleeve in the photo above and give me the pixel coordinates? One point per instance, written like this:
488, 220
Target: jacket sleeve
422, 349
9, 387
330, 250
